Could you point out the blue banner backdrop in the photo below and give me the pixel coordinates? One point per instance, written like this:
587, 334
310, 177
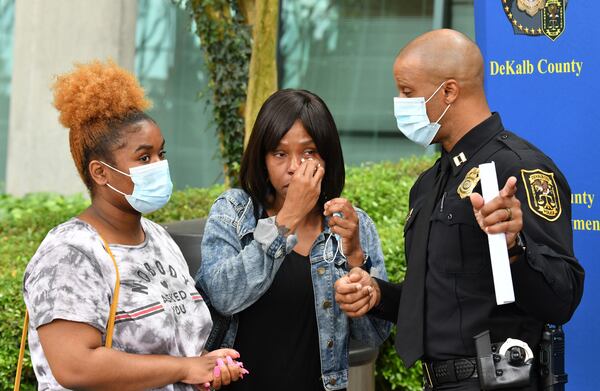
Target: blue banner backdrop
544, 86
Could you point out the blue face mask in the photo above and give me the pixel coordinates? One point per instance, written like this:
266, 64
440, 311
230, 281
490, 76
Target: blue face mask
338, 248
412, 120
152, 186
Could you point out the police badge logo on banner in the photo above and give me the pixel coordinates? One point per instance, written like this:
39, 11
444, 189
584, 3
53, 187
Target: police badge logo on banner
536, 17
531, 7
542, 193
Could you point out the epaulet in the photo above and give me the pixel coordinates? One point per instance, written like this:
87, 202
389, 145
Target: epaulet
415, 187
515, 143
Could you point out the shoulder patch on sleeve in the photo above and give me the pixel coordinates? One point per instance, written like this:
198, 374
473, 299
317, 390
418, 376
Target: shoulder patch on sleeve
542, 193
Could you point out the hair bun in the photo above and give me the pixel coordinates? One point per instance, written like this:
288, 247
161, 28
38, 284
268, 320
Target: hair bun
95, 94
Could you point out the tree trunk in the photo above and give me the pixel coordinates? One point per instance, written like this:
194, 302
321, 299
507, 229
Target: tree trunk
264, 15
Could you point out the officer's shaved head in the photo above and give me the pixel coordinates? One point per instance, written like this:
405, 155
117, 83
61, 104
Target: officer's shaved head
444, 58
445, 54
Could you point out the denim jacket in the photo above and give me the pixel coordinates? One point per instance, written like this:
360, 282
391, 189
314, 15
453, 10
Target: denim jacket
237, 270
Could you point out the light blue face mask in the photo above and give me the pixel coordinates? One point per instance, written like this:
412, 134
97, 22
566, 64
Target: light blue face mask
152, 186
338, 248
412, 120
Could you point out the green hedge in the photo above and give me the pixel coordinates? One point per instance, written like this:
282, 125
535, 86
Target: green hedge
380, 189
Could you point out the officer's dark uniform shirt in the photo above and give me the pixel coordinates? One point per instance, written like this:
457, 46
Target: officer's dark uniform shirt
459, 291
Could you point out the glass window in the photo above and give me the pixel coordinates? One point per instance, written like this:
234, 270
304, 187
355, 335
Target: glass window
7, 19
344, 51
169, 65
341, 50
462, 17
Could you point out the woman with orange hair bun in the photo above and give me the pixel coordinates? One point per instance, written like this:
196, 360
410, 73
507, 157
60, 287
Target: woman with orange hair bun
161, 322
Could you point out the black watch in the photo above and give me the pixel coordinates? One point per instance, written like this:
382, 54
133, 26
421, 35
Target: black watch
519, 247
366, 264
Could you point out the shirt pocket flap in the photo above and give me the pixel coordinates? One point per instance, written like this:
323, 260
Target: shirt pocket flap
458, 212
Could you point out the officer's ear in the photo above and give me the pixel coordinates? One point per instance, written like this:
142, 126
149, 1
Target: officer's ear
450, 91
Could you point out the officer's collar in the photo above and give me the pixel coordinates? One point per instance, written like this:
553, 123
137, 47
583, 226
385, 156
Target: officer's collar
472, 142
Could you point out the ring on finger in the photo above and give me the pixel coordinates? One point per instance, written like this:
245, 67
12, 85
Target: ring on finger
509, 211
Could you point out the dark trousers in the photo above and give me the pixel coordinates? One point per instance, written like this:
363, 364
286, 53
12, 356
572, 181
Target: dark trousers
473, 385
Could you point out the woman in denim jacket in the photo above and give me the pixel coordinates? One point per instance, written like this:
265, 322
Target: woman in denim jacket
272, 251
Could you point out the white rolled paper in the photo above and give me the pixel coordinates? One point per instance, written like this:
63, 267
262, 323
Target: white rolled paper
503, 284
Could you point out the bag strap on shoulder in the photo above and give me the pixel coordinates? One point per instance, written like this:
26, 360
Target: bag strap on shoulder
109, 327
115, 300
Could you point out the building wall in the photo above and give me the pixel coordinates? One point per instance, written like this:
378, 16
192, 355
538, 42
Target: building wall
7, 21
49, 36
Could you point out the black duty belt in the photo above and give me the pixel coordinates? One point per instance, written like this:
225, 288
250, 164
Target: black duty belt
437, 373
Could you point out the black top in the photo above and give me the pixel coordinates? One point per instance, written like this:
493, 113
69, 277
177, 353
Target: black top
459, 291
277, 336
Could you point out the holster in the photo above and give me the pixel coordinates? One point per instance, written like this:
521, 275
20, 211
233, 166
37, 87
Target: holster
496, 372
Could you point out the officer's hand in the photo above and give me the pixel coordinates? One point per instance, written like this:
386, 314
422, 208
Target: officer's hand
347, 227
356, 292
503, 214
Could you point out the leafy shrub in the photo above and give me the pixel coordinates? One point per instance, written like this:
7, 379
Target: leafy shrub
380, 189
24, 222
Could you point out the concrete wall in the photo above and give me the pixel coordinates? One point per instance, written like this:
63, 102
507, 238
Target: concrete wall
49, 37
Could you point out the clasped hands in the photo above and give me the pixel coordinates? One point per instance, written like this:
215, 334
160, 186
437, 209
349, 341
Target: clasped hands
357, 292
223, 366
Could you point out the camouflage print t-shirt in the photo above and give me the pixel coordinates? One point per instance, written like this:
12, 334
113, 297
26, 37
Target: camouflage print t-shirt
72, 277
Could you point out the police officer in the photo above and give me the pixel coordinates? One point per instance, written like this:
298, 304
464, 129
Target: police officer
447, 296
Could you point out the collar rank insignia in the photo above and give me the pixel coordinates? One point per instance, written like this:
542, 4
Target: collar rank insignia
459, 159
542, 193
468, 184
